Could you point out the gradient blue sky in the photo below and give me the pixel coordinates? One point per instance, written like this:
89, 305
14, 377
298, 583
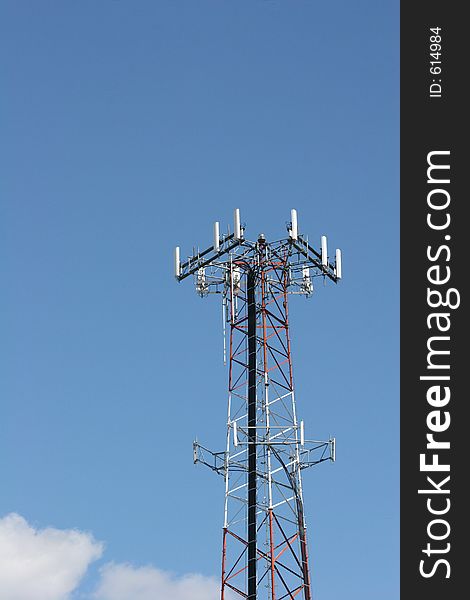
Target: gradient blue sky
128, 128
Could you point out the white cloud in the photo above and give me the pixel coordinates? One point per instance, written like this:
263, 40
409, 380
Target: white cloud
49, 564
42, 564
125, 582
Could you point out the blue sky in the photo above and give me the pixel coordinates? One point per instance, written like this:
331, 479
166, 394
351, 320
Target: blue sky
127, 128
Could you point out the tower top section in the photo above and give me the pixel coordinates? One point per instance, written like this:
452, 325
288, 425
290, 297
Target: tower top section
234, 250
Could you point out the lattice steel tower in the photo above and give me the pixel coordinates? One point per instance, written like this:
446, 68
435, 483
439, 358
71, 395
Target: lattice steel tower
264, 554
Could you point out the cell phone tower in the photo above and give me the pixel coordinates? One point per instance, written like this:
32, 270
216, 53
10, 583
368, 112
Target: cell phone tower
264, 547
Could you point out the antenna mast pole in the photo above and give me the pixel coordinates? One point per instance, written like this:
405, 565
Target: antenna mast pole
264, 550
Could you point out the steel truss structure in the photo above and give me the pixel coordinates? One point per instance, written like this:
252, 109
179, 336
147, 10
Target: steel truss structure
264, 547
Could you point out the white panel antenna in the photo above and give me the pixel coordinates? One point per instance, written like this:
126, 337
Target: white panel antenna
216, 237
339, 271
177, 262
294, 232
324, 251
302, 433
235, 434
236, 224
